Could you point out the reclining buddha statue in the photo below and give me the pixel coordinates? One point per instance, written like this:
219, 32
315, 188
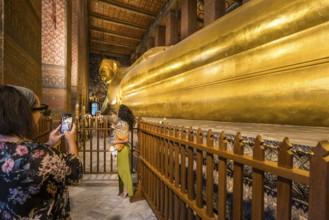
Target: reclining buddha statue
111, 74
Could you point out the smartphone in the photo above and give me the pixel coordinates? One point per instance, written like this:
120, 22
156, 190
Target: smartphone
67, 121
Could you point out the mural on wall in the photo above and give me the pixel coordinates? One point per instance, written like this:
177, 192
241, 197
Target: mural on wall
97, 88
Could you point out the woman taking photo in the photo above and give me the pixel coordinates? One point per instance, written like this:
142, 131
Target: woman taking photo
33, 176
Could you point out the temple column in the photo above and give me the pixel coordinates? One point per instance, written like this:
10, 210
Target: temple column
56, 56
68, 59
150, 43
83, 53
213, 9
142, 50
74, 53
172, 29
188, 16
160, 36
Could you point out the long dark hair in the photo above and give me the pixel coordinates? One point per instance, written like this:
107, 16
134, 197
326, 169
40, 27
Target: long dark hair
125, 114
15, 113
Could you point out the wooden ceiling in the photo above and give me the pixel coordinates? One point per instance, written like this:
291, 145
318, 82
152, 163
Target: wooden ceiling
117, 27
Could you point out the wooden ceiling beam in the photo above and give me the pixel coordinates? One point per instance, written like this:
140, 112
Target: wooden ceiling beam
91, 27
99, 40
161, 15
110, 50
127, 8
108, 54
118, 22
110, 47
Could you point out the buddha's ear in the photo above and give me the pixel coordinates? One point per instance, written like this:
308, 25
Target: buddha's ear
115, 66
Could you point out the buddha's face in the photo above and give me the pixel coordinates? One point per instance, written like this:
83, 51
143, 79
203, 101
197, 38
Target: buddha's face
106, 75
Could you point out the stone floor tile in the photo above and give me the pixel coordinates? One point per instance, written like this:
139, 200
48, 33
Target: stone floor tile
96, 198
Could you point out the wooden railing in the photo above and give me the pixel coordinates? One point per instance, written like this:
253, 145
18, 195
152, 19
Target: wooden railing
174, 188
43, 129
93, 139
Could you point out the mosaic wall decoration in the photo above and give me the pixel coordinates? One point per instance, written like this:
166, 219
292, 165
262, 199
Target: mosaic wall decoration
53, 33
54, 55
74, 46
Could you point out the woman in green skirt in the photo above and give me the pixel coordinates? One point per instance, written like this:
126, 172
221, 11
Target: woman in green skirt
121, 138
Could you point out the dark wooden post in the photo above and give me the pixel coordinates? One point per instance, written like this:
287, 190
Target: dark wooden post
171, 29
258, 181
171, 156
160, 36
284, 185
222, 169
183, 172
152, 163
166, 206
213, 9
138, 195
199, 176
162, 169
190, 180
106, 121
319, 182
210, 176
176, 176
171, 173
158, 164
188, 17
238, 149
91, 125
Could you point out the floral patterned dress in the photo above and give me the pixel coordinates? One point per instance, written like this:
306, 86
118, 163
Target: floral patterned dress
34, 179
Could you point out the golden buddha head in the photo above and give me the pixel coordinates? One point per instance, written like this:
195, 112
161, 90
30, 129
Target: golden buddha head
107, 70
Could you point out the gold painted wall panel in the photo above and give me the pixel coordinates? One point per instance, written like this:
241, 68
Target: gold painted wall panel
265, 62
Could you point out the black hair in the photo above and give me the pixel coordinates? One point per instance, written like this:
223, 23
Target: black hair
125, 114
15, 113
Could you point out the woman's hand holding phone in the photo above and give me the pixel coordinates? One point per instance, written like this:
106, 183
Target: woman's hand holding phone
54, 136
70, 138
70, 135
66, 122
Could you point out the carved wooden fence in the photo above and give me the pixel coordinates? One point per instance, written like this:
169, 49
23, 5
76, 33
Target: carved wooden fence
43, 129
176, 171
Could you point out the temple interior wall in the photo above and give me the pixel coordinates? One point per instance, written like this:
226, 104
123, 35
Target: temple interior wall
21, 43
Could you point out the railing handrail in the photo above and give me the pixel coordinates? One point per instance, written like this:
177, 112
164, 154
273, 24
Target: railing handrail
294, 174
162, 148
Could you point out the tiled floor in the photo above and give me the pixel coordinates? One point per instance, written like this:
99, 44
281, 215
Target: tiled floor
96, 198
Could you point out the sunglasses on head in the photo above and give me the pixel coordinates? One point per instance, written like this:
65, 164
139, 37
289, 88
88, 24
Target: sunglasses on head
43, 108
